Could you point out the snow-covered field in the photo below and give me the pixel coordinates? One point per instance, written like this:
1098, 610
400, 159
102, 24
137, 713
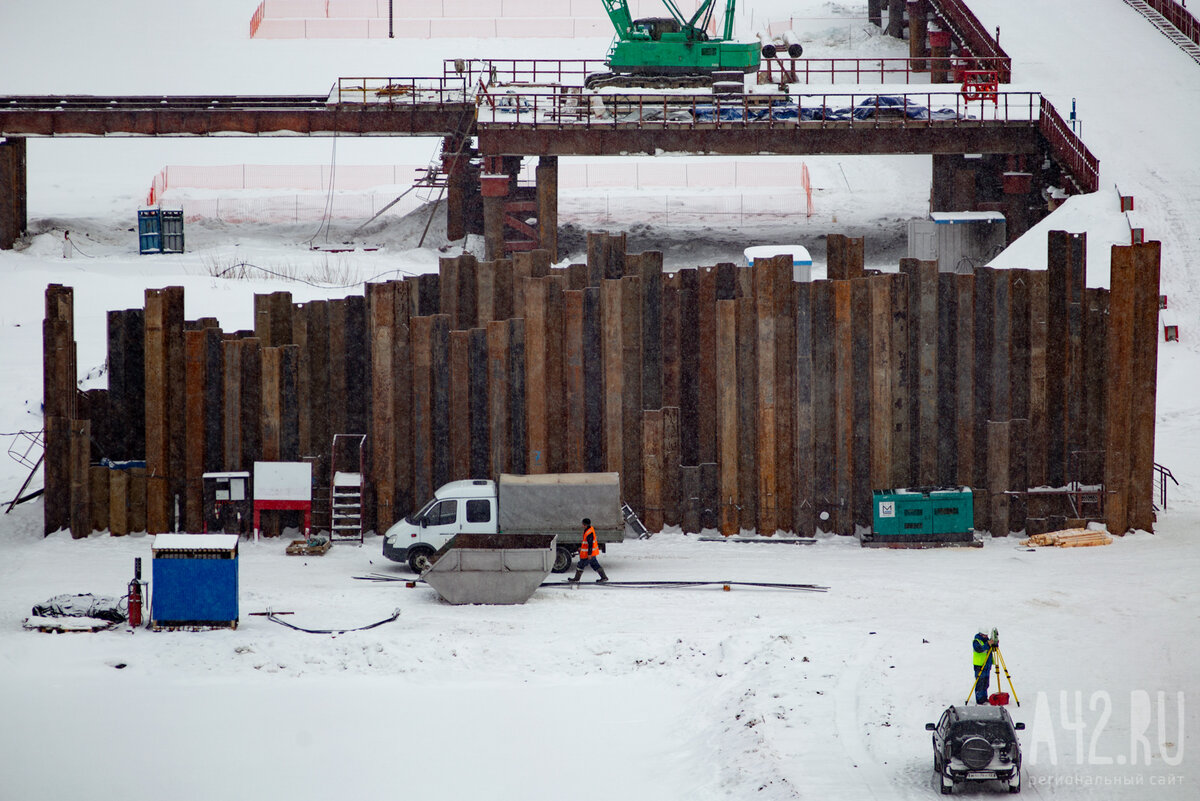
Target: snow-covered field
591, 693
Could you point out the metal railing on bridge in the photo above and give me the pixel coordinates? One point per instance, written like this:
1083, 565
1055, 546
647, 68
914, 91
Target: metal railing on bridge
573, 72
513, 107
1069, 149
876, 70
445, 90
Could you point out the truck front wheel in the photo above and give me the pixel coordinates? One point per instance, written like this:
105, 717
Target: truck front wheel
562, 559
418, 558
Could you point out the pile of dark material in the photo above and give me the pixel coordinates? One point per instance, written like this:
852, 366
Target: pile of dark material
82, 605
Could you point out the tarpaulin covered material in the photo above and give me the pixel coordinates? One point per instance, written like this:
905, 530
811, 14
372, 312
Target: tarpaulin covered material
555, 503
82, 605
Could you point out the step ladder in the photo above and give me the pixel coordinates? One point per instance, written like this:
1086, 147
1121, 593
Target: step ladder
23, 449
345, 490
634, 522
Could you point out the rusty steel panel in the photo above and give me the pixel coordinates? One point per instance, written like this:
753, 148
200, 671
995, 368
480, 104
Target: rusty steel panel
802, 497
985, 286
861, 396
421, 333
1147, 271
823, 370
631, 381
706, 374
498, 398
650, 265
460, 405
843, 401
881, 368
536, 387
194, 401
593, 382
671, 478
747, 401
947, 380
689, 367
555, 380
785, 390
725, 357
764, 296
614, 374
652, 469
575, 430
964, 413
1037, 377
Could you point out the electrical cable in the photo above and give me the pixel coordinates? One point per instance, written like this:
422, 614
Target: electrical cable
276, 619
670, 585
327, 215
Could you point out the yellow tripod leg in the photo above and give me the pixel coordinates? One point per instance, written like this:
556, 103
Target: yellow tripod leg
1001, 663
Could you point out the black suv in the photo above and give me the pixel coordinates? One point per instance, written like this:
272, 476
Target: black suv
976, 743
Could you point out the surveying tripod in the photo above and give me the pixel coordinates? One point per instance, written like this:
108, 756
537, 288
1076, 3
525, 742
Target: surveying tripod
997, 660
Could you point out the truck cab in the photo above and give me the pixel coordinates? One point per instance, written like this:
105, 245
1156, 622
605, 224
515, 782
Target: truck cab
458, 507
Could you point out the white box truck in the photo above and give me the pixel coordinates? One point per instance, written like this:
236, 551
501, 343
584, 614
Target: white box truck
551, 503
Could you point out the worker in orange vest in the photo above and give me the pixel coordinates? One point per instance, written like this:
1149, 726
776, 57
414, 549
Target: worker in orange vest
588, 551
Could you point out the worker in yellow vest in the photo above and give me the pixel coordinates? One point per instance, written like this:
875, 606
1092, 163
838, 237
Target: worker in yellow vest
981, 658
589, 549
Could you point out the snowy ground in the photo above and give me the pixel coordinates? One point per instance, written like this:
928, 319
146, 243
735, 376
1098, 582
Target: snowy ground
593, 693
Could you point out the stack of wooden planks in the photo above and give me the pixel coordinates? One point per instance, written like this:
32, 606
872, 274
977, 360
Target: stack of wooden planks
1070, 538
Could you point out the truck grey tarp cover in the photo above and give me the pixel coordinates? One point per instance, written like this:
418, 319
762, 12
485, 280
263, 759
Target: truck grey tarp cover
558, 501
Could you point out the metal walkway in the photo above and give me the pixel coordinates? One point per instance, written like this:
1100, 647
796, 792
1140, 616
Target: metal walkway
1166, 28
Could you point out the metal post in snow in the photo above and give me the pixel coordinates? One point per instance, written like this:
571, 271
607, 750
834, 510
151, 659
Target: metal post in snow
391, 17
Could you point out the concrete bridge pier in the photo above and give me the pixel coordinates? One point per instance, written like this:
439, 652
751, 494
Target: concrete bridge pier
988, 182
519, 218
14, 215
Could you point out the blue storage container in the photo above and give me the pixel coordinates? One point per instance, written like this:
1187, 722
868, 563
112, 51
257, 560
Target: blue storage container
194, 583
149, 231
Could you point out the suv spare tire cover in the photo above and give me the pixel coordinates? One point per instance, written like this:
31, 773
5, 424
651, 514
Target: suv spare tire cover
976, 752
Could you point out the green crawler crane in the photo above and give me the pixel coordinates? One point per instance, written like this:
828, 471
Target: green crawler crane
665, 52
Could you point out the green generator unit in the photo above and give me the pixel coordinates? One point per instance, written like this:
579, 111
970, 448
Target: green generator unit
923, 514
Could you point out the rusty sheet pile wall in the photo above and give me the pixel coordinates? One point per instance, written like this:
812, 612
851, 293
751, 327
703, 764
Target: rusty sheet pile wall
726, 397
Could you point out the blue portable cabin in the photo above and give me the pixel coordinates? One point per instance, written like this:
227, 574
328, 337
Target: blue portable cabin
194, 581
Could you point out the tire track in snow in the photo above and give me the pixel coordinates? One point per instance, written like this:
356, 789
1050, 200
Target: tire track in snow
849, 727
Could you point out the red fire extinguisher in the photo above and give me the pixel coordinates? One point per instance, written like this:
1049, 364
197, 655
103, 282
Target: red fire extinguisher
135, 594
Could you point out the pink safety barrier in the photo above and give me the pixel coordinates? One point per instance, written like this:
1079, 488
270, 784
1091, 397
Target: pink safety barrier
535, 9
458, 9
296, 9
462, 28
358, 9
281, 29
335, 29
412, 28
550, 28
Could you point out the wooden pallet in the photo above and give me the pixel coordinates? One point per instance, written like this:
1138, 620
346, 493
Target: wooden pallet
67, 625
1070, 538
302, 548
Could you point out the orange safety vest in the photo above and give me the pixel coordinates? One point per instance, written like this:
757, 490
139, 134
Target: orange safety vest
589, 547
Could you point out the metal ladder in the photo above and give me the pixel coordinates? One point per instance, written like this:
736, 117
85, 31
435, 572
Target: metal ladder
345, 490
634, 522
